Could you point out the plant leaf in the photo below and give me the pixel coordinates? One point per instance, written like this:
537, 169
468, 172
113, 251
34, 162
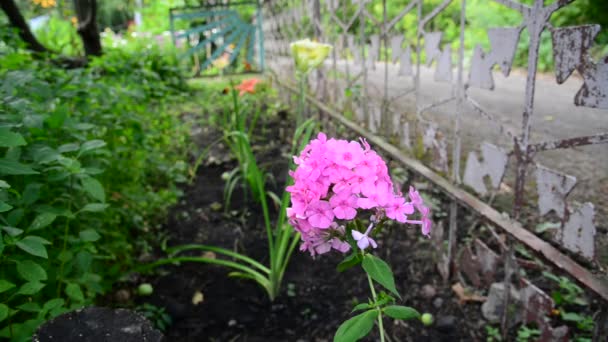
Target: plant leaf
42, 220
31, 271
30, 288
357, 327
29, 307
4, 207
91, 145
5, 285
33, 246
3, 312
94, 188
401, 312
73, 291
350, 261
361, 306
11, 167
380, 272
10, 139
89, 235
94, 207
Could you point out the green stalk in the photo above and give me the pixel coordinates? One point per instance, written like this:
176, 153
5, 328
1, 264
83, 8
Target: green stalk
374, 297
66, 230
260, 278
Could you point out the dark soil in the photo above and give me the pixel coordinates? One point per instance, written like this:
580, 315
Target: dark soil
315, 298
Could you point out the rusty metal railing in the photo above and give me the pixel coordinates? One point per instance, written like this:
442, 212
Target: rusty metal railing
352, 83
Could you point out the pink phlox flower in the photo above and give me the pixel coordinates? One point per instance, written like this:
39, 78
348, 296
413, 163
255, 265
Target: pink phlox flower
377, 195
398, 209
426, 226
320, 214
344, 205
347, 154
340, 176
363, 240
340, 245
366, 146
367, 165
416, 199
358, 181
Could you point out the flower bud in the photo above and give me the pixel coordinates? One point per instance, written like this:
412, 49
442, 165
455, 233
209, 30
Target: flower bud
308, 54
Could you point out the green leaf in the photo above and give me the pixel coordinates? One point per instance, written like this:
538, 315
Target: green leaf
30, 288
401, 312
89, 235
4, 184
3, 312
5, 285
94, 207
381, 272
571, 316
52, 304
31, 271
11, 167
73, 291
42, 220
350, 261
29, 307
94, 188
33, 246
68, 148
91, 145
31, 193
357, 327
361, 306
12, 231
15, 216
4, 207
10, 139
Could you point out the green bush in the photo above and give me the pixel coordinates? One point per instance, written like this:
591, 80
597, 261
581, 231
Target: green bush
89, 163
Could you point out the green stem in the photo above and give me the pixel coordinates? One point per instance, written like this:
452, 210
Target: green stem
380, 325
66, 230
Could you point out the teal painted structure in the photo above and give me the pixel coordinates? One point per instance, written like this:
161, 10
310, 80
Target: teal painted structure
222, 27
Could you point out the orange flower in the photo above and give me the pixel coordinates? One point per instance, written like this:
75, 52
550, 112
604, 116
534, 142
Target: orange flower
247, 86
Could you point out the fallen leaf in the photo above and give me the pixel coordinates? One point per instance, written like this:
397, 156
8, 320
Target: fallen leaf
466, 296
209, 255
198, 298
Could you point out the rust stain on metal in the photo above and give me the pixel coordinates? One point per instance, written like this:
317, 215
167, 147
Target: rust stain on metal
578, 234
503, 42
493, 165
553, 187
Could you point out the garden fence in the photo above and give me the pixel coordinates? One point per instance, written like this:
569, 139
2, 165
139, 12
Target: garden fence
375, 84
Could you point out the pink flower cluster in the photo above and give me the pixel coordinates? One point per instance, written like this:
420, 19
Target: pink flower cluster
333, 180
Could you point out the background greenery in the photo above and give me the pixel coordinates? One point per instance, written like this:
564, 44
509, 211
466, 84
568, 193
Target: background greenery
90, 160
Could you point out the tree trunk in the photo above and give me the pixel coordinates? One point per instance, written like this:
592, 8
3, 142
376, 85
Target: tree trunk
86, 13
17, 21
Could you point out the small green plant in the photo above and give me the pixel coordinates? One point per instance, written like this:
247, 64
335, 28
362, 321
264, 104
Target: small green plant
157, 315
525, 334
493, 334
568, 295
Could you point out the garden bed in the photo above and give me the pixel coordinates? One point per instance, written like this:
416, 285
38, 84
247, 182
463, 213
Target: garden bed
315, 297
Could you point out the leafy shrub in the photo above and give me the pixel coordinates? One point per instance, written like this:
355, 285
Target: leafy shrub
89, 160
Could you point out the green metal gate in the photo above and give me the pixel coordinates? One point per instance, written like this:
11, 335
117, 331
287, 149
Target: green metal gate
230, 33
